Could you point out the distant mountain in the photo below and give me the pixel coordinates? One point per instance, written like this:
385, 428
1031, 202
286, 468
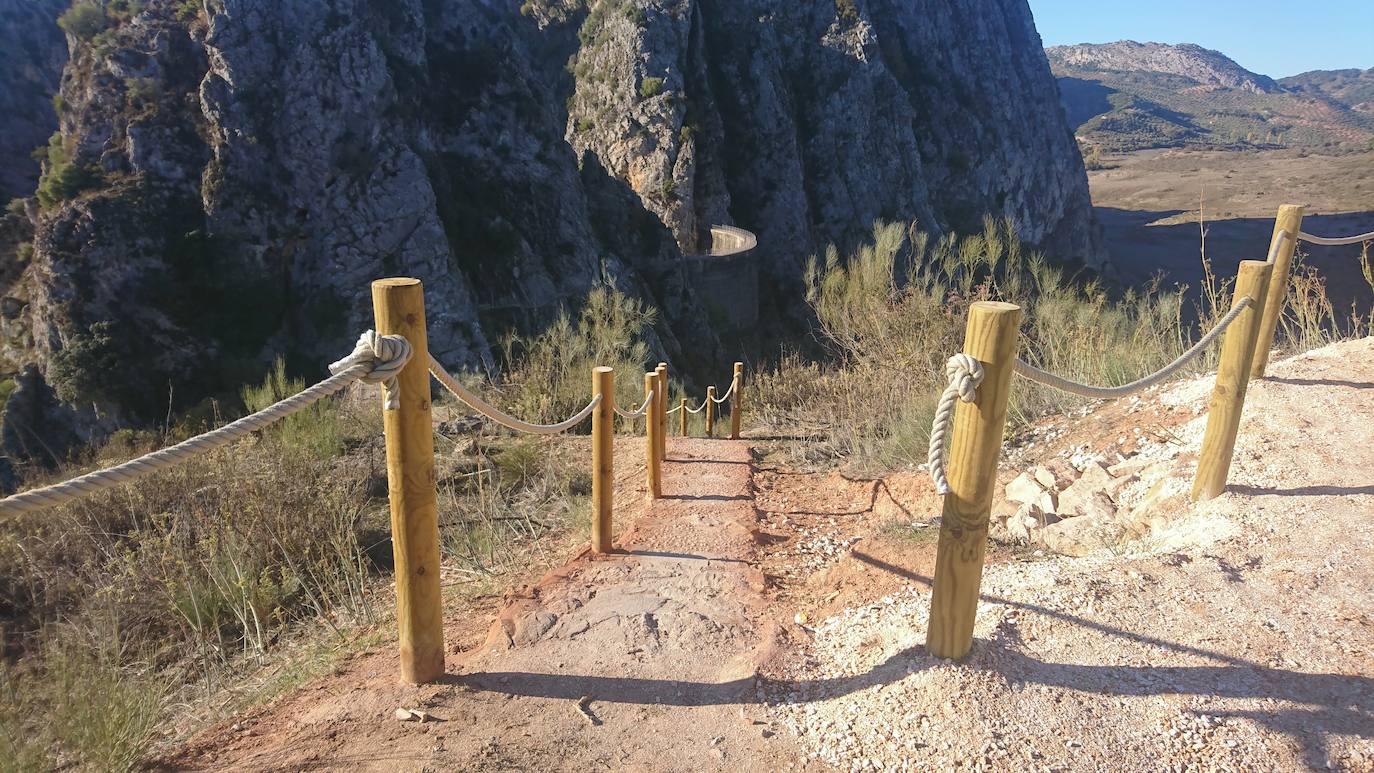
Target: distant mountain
1129, 96
1349, 87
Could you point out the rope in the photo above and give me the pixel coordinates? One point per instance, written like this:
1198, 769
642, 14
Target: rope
375, 359
698, 409
728, 392
964, 374
1278, 240
1033, 373
672, 411
1336, 241
635, 414
504, 419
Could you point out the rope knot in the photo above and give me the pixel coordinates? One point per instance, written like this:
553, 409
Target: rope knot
964, 374
384, 356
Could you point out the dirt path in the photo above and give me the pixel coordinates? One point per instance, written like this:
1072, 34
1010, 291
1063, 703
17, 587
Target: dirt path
659, 642
766, 619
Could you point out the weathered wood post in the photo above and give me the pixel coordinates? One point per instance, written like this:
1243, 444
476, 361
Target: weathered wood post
1238, 350
737, 401
1288, 219
651, 430
976, 444
399, 307
603, 420
662, 414
710, 411
682, 418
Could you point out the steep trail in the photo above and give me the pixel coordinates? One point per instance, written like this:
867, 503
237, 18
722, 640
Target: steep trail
1237, 634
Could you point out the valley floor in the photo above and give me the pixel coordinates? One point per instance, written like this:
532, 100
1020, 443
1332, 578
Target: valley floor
759, 618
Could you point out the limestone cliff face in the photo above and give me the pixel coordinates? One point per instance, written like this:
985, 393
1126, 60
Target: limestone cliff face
234, 176
32, 52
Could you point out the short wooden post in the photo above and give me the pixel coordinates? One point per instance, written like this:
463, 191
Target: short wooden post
1233, 372
737, 401
1288, 219
651, 430
662, 371
989, 338
399, 307
603, 418
682, 418
710, 411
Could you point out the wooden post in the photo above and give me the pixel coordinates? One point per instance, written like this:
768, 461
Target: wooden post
1228, 397
662, 372
737, 401
1289, 219
651, 430
710, 411
399, 307
989, 338
682, 418
603, 418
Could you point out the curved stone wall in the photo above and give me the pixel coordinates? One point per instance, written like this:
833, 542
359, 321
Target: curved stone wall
727, 279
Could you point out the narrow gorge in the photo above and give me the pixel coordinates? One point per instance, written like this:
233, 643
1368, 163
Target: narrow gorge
228, 175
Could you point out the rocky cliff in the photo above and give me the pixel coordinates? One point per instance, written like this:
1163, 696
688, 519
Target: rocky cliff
1186, 60
231, 175
32, 52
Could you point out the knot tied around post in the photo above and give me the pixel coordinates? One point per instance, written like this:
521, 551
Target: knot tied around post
385, 356
965, 374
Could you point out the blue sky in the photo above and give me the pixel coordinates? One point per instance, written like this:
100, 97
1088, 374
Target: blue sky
1265, 36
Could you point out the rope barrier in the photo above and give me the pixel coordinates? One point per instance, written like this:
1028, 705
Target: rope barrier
375, 359
1336, 241
697, 409
505, 419
635, 414
728, 392
1278, 241
965, 374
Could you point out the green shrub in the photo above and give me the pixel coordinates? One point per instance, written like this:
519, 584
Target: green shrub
846, 11
650, 87
548, 376
62, 178
316, 430
24, 253
16, 207
78, 371
189, 9
84, 20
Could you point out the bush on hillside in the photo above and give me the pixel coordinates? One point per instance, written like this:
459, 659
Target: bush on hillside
84, 20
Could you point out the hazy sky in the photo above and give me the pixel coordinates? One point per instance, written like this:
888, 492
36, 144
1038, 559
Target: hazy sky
1265, 36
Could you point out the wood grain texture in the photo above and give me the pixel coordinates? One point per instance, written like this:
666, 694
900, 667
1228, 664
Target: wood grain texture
652, 467
1288, 219
399, 306
662, 372
603, 423
975, 446
737, 401
1233, 377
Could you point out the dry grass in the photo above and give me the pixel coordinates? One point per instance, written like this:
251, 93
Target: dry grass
894, 311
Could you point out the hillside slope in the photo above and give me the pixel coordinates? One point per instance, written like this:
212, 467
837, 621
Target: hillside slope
227, 181
1129, 96
761, 617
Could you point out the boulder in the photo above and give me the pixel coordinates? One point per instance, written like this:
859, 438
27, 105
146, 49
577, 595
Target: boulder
1045, 478
1082, 536
1025, 488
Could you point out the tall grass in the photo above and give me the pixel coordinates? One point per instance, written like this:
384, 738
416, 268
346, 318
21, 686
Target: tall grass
893, 312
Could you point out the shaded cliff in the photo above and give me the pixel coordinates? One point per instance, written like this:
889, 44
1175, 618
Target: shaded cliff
32, 52
230, 176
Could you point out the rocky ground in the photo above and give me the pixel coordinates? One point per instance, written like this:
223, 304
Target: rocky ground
763, 618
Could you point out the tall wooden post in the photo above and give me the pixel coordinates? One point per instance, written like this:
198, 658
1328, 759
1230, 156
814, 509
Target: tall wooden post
1288, 219
651, 430
737, 401
603, 419
989, 338
662, 372
399, 307
1238, 351
710, 411
682, 418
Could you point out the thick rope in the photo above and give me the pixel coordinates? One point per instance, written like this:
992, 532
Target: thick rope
728, 392
964, 374
1336, 241
697, 409
1278, 240
1033, 373
505, 419
672, 411
640, 411
376, 359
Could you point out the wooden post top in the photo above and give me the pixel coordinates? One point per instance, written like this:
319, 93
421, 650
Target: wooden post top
395, 281
994, 307
602, 369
